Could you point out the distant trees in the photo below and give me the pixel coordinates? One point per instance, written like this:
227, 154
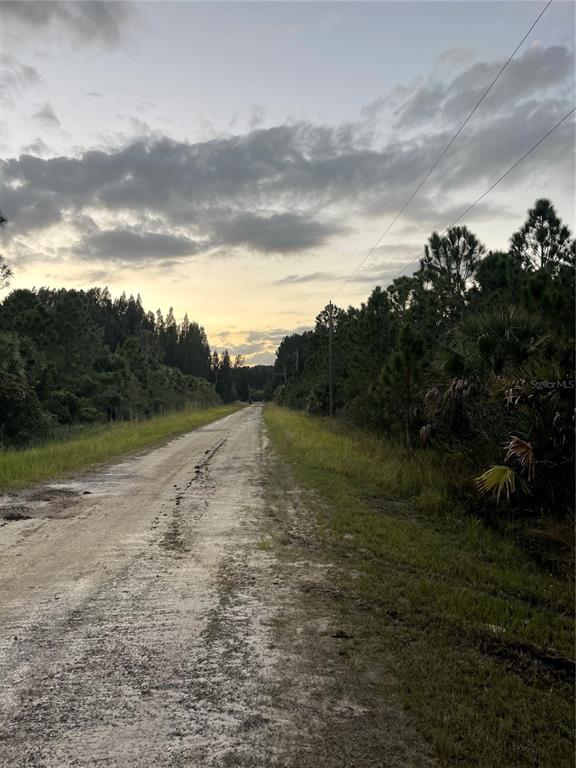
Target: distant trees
470, 351
69, 357
78, 356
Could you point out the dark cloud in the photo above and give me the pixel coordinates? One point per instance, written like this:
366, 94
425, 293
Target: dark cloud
423, 106
277, 233
89, 21
15, 77
291, 188
30, 212
125, 245
537, 70
505, 138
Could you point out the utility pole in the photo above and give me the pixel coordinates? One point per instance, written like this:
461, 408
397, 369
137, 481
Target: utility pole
297, 350
331, 357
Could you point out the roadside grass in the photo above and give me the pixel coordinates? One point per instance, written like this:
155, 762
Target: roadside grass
480, 635
21, 468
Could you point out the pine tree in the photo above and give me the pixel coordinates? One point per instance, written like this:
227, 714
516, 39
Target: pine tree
448, 266
543, 242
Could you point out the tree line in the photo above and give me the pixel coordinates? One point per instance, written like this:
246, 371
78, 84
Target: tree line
79, 356
473, 354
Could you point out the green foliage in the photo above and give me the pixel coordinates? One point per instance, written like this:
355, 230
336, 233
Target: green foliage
432, 356
72, 357
449, 264
77, 357
543, 242
20, 409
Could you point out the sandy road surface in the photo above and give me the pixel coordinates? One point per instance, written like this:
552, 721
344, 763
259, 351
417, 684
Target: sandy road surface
134, 624
178, 609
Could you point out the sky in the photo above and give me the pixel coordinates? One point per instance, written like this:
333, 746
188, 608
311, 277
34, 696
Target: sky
237, 160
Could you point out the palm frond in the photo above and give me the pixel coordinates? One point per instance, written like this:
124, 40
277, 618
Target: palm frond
522, 452
499, 479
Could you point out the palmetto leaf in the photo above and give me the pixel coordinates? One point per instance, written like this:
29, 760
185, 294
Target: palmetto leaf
522, 453
499, 479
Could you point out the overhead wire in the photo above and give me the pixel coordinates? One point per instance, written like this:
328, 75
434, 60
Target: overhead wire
442, 153
491, 187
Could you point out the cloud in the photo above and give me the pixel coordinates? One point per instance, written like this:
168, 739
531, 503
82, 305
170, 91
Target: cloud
257, 346
289, 189
248, 349
46, 116
15, 77
261, 358
37, 147
536, 71
276, 233
454, 57
505, 138
371, 273
312, 277
127, 246
94, 94
423, 106
89, 21
272, 336
256, 116
385, 272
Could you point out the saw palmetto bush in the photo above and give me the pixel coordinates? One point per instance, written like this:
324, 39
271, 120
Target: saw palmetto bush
493, 343
540, 446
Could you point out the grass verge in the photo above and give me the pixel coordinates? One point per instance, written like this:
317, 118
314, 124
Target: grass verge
21, 468
480, 636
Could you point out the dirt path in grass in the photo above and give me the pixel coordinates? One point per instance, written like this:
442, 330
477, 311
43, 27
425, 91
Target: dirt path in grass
147, 619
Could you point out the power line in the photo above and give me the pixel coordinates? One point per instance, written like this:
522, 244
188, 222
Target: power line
444, 151
483, 195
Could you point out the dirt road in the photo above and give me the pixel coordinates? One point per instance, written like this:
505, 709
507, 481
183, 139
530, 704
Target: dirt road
120, 644
139, 616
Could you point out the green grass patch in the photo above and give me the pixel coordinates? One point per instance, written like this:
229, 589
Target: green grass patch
478, 631
21, 468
